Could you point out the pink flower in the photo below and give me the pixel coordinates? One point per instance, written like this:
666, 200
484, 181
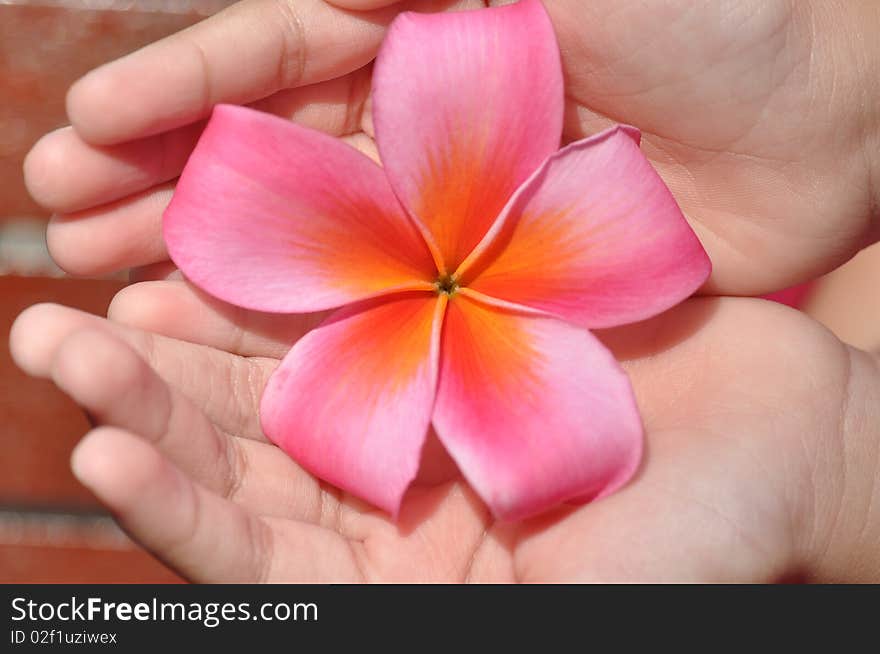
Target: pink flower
468, 269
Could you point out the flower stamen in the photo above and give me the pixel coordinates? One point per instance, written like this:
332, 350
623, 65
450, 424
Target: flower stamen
447, 284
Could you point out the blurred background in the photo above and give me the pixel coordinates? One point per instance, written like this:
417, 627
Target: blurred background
51, 528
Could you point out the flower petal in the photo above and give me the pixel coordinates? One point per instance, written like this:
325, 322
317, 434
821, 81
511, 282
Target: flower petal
272, 216
792, 296
595, 238
535, 411
466, 105
352, 400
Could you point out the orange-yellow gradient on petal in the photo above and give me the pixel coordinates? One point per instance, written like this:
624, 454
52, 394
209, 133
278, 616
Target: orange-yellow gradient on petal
262, 193
466, 105
595, 238
535, 411
352, 400
456, 210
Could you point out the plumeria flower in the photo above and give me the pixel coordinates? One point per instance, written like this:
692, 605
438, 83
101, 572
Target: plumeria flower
464, 273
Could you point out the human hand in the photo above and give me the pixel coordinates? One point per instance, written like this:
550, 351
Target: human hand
109, 177
762, 456
761, 117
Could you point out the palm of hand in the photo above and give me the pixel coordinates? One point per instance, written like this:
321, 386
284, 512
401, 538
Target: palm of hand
712, 500
738, 115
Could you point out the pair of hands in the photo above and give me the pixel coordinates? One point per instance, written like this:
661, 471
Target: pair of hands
763, 446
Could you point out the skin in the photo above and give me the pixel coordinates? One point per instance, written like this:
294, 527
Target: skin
763, 442
847, 303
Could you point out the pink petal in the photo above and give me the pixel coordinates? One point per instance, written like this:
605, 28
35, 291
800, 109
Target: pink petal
595, 237
534, 410
352, 400
276, 217
466, 105
793, 296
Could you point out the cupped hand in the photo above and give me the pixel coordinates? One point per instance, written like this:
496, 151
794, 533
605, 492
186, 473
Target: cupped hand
135, 121
758, 468
761, 116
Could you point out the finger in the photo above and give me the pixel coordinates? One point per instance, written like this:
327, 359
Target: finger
361, 5
178, 310
334, 107
65, 174
202, 536
117, 388
246, 52
120, 235
225, 386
